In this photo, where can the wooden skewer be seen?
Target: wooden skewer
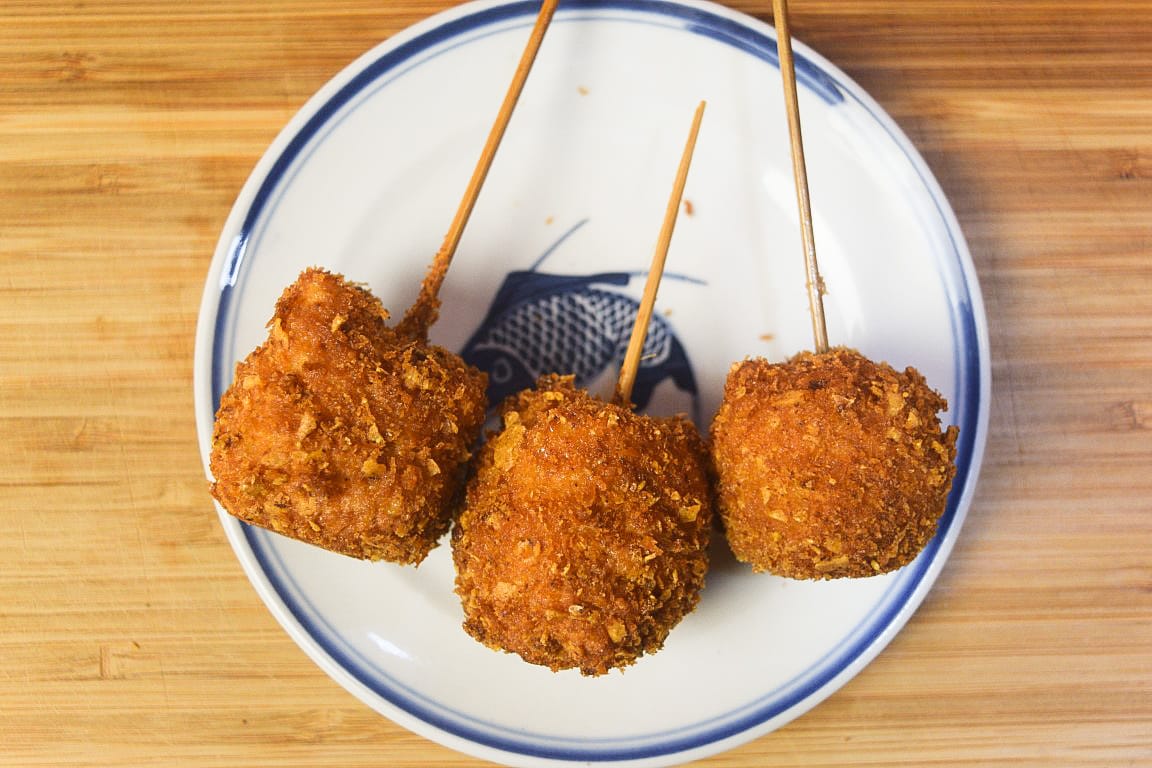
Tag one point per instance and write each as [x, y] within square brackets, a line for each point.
[800, 174]
[631, 362]
[424, 311]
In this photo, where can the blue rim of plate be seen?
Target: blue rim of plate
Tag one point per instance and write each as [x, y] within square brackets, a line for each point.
[970, 406]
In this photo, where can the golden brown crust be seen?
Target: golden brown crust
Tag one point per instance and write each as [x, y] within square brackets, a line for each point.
[830, 465]
[584, 535]
[338, 432]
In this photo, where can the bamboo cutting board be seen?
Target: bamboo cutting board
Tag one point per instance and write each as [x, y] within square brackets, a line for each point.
[129, 635]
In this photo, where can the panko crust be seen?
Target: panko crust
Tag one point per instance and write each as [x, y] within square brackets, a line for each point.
[830, 465]
[584, 537]
[341, 433]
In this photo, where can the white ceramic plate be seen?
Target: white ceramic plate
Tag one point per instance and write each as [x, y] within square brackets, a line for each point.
[365, 180]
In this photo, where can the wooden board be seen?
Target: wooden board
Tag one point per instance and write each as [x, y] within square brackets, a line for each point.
[129, 635]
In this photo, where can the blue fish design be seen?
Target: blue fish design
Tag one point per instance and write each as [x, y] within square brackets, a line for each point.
[571, 324]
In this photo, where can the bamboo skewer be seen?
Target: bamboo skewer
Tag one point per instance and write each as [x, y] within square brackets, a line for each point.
[424, 311]
[631, 362]
[800, 173]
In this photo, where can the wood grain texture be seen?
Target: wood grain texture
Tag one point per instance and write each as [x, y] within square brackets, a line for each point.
[129, 635]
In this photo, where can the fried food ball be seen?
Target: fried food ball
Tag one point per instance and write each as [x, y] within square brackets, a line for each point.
[584, 537]
[342, 433]
[830, 465]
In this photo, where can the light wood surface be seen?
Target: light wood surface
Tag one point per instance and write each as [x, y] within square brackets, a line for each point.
[129, 635]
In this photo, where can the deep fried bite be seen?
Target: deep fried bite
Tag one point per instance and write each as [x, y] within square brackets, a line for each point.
[339, 432]
[830, 465]
[585, 532]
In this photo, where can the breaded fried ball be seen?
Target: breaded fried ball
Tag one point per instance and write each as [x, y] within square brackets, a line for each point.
[830, 465]
[584, 537]
[339, 432]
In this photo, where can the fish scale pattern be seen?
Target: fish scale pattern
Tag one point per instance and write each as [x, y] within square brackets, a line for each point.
[579, 332]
